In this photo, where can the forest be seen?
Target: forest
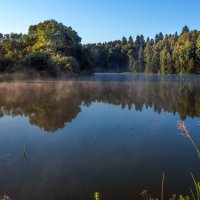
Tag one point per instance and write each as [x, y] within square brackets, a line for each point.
[169, 54]
[49, 48]
[52, 48]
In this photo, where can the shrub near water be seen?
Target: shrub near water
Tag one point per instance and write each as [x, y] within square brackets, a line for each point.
[5, 64]
[65, 63]
[38, 60]
[53, 64]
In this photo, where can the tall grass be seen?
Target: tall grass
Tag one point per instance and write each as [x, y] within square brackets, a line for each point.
[195, 195]
[146, 196]
[185, 132]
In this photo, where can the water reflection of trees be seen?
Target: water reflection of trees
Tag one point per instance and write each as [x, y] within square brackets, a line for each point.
[50, 105]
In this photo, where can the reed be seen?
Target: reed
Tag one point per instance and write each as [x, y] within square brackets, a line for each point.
[185, 132]
[163, 180]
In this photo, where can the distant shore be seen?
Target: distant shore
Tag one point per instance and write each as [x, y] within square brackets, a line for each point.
[104, 76]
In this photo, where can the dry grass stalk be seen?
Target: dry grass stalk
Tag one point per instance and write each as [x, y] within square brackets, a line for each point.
[185, 132]
[163, 180]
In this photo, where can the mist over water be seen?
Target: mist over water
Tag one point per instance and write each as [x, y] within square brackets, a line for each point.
[112, 134]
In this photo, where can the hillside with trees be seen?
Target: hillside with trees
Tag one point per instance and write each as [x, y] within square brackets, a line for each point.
[51, 48]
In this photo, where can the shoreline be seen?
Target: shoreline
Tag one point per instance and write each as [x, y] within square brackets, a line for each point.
[23, 77]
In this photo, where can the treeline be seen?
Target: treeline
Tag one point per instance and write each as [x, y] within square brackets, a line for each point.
[48, 48]
[167, 54]
[52, 48]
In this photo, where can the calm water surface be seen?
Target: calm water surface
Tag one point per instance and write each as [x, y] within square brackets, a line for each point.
[112, 134]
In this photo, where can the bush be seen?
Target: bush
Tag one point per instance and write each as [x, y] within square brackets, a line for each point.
[6, 64]
[66, 63]
[41, 62]
[38, 60]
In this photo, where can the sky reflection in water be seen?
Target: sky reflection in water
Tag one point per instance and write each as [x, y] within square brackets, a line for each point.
[111, 134]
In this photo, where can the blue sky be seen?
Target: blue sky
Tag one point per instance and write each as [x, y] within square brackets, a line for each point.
[102, 20]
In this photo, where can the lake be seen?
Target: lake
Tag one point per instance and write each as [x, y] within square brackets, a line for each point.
[112, 134]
